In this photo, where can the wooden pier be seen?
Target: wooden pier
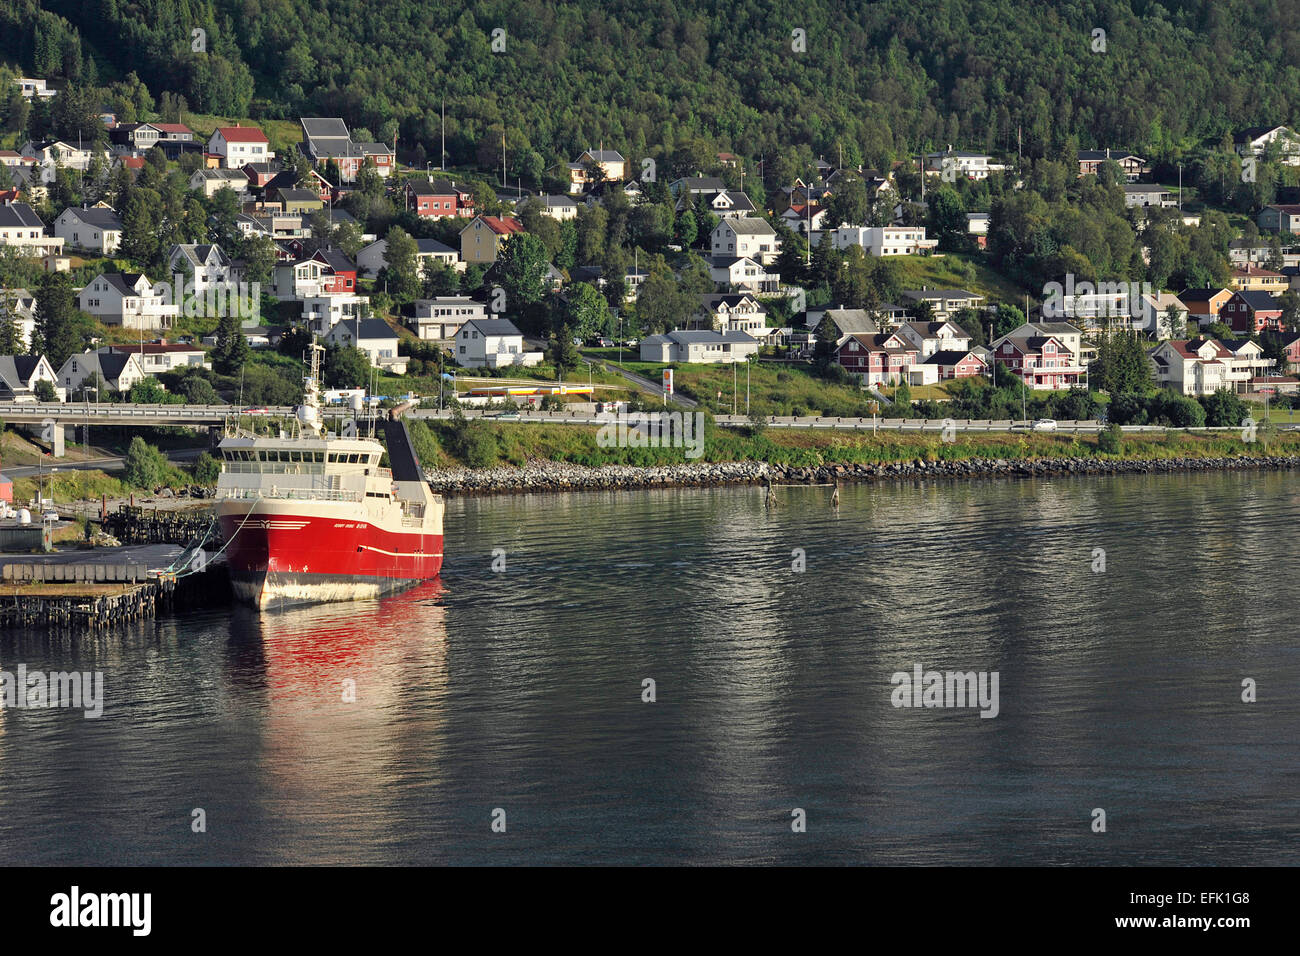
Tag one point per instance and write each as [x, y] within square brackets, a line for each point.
[100, 594]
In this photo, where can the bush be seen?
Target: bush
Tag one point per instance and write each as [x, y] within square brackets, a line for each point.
[45, 391]
[1111, 440]
[146, 467]
[1224, 409]
[206, 469]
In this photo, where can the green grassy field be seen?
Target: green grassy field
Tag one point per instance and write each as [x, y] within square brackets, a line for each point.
[516, 444]
[771, 389]
[953, 270]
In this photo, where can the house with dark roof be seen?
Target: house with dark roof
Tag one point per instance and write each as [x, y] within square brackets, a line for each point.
[117, 371]
[295, 200]
[745, 238]
[1091, 160]
[1204, 305]
[944, 302]
[1280, 218]
[440, 318]
[374, 337]
[699, 346]
[204, 265]
[210, 181]
[130, 300]
[849, 322]
[732, 312]
[372, 258]
[959, 363]
[610, 164]
[327, 140]
[492, 343]
[439, 199]
[19, 375]
[555, 207]
[22, 229]
[931, 337]
[156, 357]
[1041, 359]
[95, 229]
[1251, 312]
[1256, 140]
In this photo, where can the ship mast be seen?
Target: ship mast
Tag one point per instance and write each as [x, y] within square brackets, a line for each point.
[309, 411]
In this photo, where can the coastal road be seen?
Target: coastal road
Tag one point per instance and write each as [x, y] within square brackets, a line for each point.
[643, 383]
[179, 456]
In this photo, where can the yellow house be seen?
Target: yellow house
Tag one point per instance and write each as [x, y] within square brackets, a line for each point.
[480, 241]
[1254, 279]
[611, 164]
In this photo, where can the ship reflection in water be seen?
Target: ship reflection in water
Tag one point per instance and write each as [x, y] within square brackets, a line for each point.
[351, 704]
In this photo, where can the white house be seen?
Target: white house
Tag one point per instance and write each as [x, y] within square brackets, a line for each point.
[117, 370]
[205, 265]
[21, 305]
[211, 181]
[960, 163]
[556, 207]
[371, 258]
[374, 338]
[1254, 140]
[324, 312]
[440, 318]
[95, 229]
[492, 343]
[1203, 366]
[128, 299]
[237, 145]
[23, 230]
[750, 238]
[155, 357]
[733, 313]
[932, 337]
[881, 240]
[699, 346]
[744, 275]
[19, 375]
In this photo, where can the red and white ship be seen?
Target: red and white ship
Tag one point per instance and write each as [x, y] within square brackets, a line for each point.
[312, 516]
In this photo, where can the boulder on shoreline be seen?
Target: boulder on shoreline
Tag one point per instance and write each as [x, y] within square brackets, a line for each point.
[550, 476]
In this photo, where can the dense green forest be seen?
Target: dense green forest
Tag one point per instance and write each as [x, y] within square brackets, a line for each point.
[676, 80]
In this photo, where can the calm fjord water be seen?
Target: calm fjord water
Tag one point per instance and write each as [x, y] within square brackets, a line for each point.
[522, 690]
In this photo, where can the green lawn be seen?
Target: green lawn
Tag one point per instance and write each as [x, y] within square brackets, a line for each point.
[953, 270]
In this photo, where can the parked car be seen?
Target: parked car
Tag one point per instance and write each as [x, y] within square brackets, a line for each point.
[257, 411]
[1044, 425]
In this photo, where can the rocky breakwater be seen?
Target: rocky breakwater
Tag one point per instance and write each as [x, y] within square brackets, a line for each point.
[560, 476]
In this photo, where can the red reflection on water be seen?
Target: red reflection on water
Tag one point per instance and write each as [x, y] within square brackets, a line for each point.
[312, 650]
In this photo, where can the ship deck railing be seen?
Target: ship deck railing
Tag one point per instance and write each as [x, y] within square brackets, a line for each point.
[292, 494]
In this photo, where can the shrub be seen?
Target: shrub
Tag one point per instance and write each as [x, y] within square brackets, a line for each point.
[1111, 440]
[146, 467]
[206, 469]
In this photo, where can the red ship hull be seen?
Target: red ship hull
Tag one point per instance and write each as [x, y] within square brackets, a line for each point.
[279, 556]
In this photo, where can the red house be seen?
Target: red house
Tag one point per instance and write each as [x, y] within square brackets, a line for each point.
[438, 199]
[1248, 312]
[955, 363]
[1042, 361]
[879, 359]
[344, 277]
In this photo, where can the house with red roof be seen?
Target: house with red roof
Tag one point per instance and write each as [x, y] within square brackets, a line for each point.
[1043, 361]
[480, 241]
[236, 146]
[1203, 366]
[879, 359]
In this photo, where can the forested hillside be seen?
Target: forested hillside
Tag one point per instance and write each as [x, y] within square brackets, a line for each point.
[876, 80]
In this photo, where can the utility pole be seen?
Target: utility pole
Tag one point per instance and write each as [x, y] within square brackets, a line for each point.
[442, 155]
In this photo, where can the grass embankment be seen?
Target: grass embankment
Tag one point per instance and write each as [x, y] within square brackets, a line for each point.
[952, 270]
[487, 444]
[773, 388]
